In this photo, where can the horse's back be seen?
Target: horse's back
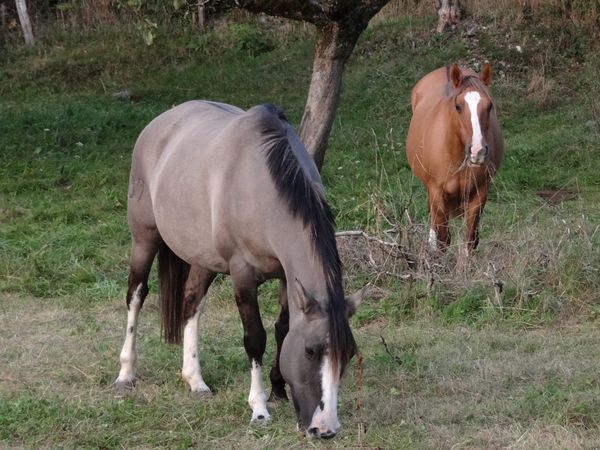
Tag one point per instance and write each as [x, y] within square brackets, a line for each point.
[207, 181]
[205, 117]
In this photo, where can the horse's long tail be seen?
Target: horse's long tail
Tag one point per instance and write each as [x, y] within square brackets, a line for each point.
[172, 273]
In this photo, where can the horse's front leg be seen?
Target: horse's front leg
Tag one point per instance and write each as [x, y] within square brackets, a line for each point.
[196, 285]
[439, 234]
[282, 326]
[473, 213]
[255, 337]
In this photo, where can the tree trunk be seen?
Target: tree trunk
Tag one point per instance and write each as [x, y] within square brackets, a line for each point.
[333, 47]
[201, 15]
[2, 16]
[339, 23]
[448, 13]
[25, 22]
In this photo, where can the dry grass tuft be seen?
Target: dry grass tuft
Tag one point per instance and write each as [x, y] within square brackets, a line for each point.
[541, 88]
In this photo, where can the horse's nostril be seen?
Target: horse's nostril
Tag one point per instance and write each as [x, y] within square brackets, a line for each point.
[313, 431]
[328, 434]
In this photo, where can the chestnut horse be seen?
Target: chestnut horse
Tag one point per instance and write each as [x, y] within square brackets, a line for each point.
[215, 189]
[454, 146]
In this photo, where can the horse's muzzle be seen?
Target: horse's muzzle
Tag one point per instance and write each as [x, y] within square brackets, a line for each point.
[315, 432]
[479, 157]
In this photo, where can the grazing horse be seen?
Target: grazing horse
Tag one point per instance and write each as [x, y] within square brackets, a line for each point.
[215, 189]
[454, 146]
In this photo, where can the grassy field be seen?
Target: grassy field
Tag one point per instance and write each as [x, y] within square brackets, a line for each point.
[450, 361]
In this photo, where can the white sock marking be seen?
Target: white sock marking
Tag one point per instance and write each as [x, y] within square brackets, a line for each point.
[191, 362]
[472, 98]
[128, 353]
[257, 399]
[433, 242]
[326, 419]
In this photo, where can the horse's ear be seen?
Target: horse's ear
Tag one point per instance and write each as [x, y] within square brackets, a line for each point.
[308, 305]
[455, 75]
[354, 300]
[486, 74]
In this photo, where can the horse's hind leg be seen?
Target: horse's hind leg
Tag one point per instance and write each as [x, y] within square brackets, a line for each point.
[255, 337]
[282, 326]
[196, 285]
[142, 255]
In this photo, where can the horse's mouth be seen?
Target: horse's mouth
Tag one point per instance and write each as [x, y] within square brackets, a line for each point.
[475, 163]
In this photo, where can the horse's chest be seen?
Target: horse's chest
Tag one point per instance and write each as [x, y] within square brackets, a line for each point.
[461, 186]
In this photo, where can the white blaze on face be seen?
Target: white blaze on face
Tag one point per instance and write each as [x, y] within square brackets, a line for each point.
[325, 416]
[472, 98]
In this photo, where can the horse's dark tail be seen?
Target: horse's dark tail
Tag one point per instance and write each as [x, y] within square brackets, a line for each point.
[172, 273]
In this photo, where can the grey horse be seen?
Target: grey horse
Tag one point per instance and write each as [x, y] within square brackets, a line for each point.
[215, 189]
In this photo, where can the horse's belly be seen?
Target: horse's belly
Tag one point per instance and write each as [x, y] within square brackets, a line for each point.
[193, 244]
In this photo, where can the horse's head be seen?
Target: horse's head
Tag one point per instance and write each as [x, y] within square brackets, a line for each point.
[314, 354]
[473, 106]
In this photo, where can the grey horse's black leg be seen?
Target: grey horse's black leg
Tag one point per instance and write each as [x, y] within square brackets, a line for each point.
[282, 326]
[255, 337]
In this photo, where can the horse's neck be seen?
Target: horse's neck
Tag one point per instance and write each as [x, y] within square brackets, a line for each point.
[300, 261]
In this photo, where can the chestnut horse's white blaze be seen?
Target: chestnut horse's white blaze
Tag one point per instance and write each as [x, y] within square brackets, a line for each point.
[191, 371]
[472, 98]
[215, 189]
[325, 417]
[128, 354]
[257, 398]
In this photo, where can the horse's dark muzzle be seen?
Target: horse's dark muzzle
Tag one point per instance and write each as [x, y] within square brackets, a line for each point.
[314, 432]
[478, 158]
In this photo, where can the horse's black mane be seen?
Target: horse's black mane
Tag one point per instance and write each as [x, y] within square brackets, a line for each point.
[306, 201]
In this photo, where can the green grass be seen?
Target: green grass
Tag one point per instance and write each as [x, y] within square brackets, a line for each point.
[465, 366]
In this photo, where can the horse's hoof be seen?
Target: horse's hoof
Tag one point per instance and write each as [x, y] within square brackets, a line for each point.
[276, 398]
[203, 396]
[260, 418]
[122, 387]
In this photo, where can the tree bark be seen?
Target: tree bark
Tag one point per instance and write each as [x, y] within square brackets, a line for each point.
[333, 47]
[2, 16]
[448, 13]
[25, 22]
[338, 25]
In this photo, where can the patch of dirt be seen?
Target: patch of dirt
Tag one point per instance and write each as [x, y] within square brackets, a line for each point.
[556, 196]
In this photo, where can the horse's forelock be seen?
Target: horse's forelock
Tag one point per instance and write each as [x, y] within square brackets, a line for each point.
[468, 81]
[342, 345]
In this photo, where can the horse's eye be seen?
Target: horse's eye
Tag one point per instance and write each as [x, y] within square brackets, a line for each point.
[457, 107]
[311, 353]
